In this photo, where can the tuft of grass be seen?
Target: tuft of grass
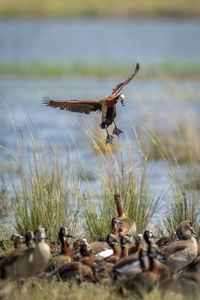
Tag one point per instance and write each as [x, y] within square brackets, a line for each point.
[4, 205]
[117, 174]
[178, 142]
[42, 196]
[183, 206]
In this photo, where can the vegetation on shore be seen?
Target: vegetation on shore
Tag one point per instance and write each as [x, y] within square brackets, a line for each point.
[101, 69]
[38, 288]
[90, 8]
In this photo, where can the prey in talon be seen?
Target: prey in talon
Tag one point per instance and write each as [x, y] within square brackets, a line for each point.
[107, 106]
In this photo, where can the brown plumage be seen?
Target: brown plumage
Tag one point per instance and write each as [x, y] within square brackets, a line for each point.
[111, 240]
[87, 253]
[25, 262]
[138, 245]
[107, 106]
[66, 254]
[76, 269]
[124, 240]
[127, 225]
[181, 253]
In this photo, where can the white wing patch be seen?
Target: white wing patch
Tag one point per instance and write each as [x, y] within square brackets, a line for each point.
[129, 267]
[105, 253]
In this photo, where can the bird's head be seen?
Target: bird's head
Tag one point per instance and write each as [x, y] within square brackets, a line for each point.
[121, 99]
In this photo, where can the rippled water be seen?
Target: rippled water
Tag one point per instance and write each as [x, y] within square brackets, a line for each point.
[67, 40]
[146, 41]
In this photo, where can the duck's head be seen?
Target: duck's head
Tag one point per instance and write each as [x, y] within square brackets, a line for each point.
[125, 239]
[121, 98]
[17, 239]
[63, 233]
[111, 239]
[29, 238]
[139, 238]
[185, 230]
[40, 233]
[115, 223]
[148, 234]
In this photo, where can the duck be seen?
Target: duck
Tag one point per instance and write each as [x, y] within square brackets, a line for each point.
[29, 238]
[113, 243]
[127, 225]
[138, 244]
[146, 280]
[194, 266]
[181, 253]
[88, 257]
[100, 248]
[76, 270]
[17, 239]
[124, 241]
[26, 262]
[66, 254]
[131, 265]
[107, 106]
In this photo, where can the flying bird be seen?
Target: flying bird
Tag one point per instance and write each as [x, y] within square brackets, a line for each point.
[107, 106]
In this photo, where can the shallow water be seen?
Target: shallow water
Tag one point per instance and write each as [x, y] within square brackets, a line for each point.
[92, 40]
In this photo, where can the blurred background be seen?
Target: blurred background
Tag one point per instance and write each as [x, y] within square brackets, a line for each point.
[82, 49]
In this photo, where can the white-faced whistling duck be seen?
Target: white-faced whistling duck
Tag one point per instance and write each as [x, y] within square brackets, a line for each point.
[87, 253]
[146, 280]
[24, 262]
[180, 253]
[131, 265]
[124, 241]
[29, 238]
[113, 243]
[66, 254]
[138, 245]
[17, 239]
[100, 248]
[128, 226]
[107, 106]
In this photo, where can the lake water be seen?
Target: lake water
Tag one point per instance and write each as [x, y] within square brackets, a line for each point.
[68, 40]
[94, 40]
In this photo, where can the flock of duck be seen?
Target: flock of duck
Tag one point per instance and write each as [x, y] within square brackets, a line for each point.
[170, 263]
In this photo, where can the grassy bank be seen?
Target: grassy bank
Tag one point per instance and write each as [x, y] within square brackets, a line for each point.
[36, 288]
[113, 8]
[101, 69]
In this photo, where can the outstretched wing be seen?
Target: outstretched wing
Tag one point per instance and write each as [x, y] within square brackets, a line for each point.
[121, 85]
[81, 106]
